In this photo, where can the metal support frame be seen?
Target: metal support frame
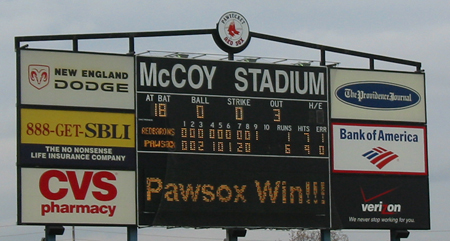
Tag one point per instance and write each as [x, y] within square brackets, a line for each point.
[132, 233]
[396, 235]
[325, 235]
[234, 233]
[132, 35]
[52, 231]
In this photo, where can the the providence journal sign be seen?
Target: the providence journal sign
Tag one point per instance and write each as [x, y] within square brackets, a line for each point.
[378, 95]
[76, 138]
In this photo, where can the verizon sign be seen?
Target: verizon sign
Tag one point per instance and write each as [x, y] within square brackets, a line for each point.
[78, 196]
[380, 202]
[379, 149]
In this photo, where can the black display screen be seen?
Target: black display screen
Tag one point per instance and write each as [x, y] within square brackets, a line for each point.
[221, 139]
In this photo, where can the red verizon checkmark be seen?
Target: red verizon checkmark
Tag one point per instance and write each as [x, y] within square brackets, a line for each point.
[376, 196]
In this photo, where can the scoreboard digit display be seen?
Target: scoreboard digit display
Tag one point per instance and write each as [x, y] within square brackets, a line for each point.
[202, 123]
[231, 125]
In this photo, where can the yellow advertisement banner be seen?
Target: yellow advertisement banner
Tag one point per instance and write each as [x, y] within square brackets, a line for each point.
[58, 127]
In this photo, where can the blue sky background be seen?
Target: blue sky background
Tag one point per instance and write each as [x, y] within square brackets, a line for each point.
[408, 29]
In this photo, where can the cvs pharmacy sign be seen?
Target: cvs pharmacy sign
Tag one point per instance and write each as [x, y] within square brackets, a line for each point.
[78, 196]
[103, 180]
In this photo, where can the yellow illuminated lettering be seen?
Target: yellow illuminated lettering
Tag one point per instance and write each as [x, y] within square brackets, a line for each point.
[220, 146]
[200, 111]
[160, 110]
[228, 196]
[207, 190]
[200, 133]
[283, 191]
[321, 150]
[228, 134]
[172, 193]
[184, 132]
[277, 115]
[200, 145]
[307, 136]
[240, 147]
[219, 134]
[240, 193]
[189, 192]
[298, 190]
[151, 189]
[268, 190]
[307, 149]
[239, 110]
[184, 145]
[192, 145]
[287, 148]
[192, 132]
[239, 134]
[248, 135]
[248, 147]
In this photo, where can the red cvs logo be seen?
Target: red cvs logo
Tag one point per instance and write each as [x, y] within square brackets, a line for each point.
[38, 75]
[79, 189]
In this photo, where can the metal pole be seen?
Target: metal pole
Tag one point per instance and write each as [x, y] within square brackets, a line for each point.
[234, 233]
[230, 56]
[231, 236]
[73, 233]
[396, 234]
[323, 61]
[49, 236]
[325, 235]
[132, 233]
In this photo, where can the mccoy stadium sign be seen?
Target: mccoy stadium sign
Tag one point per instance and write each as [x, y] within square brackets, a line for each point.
[245, 79]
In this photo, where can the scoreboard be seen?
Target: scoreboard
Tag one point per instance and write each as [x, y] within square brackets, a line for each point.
[217, 139]
[230, 125]
[286, 115]
[178, 142]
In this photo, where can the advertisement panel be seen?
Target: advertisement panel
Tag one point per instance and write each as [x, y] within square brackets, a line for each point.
[218, 140]
[76, 79]
[67, 196]
[57, 138]
[381, 149]
[377, 95]
[380, 202]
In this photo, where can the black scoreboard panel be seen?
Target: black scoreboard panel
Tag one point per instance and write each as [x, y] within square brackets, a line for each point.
[231, 125]
[186, 190]
[218, 139]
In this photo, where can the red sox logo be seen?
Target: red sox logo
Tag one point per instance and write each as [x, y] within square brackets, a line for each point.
[38, 75]
[233, 30]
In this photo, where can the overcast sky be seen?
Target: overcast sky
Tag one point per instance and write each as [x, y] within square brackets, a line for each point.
[409, 29]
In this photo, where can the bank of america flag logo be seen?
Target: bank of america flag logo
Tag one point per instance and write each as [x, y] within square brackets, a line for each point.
[380, 157]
